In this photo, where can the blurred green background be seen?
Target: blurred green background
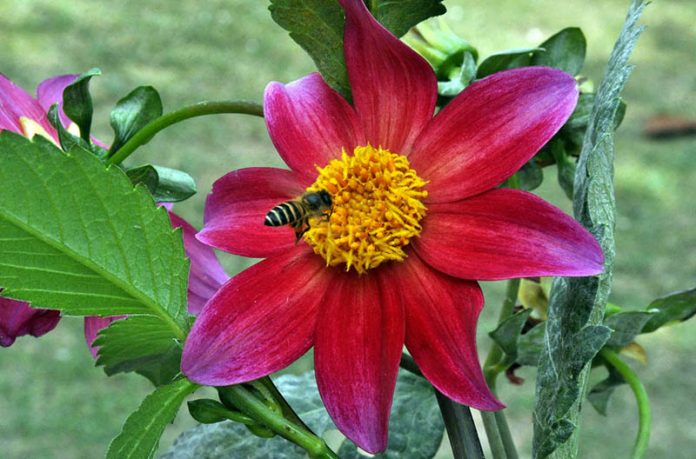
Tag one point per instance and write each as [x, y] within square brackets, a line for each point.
[55, 404]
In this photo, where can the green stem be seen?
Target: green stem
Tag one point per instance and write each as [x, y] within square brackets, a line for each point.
[495, 441]
[191, 111]
[644, 415]
[459, 423]
[257, 410]
[493, 364]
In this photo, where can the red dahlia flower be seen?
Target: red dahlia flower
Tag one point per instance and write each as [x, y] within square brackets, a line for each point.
[416, 220]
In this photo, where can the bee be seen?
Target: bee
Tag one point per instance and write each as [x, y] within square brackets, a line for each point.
[297, 212]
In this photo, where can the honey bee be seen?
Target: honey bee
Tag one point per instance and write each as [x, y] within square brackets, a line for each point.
[297, 212]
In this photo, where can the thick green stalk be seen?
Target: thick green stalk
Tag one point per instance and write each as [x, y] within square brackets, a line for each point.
[644, 414]
[191, 111]
[257, 410]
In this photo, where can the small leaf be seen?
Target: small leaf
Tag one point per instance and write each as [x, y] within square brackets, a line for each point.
[599, 394]
[165, 184]
[132, 113]
[141, 433]
[530, 176]
[68, 140]
[505, 60]
[317, 26]
[677, 306]
[144, 344]
[565, 50]
[565, 166]
[530, 345]
[207, 411]
[508, 333]
[77, 102]
[399, 17]
[456, 85]
[626, 326]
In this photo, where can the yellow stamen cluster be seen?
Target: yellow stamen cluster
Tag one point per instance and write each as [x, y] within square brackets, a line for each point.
[377, 209]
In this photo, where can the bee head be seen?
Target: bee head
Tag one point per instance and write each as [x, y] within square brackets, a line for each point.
[318, 200]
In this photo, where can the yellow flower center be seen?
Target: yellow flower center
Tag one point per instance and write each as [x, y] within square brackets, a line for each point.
[377, 209]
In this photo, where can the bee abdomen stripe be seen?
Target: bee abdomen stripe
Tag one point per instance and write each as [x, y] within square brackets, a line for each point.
[283, 214]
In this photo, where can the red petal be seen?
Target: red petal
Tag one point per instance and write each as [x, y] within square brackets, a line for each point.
[394, 89]
[309, 123]
[441, 316]
[237, 206]
[357, 348]
[206, 275]
[15, 102]
[491, 129]
[259, 322]
[504, 234]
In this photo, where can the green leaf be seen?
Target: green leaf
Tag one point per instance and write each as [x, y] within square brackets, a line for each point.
[505, 60]
[140, 436]
[577, 304]
[165, 184]
[565, 50]
[600, 393]
[79, 238]
[508, 332]
[208, 411]
[68, 140]
[466, 75]
[530, 176]
[415, 428]
[565, 167]
[677, 306]
[317, 26]
[144, 344]
[77, 102]
[626, 326]
[399, 17]
[530, 345]
[133, 112]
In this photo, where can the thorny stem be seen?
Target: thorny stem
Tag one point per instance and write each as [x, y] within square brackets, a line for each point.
[461, 429]
[191, 111]
[259, 411]
[644, 414]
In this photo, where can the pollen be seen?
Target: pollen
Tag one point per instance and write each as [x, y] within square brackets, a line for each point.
[377, 209]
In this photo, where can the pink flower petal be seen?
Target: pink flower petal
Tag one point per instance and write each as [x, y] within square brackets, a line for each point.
[394, 89]
[93, 325]
[17, 318]
[441, 316]
[309, 123]
[261, 320]
[50, 92]
[360, 334]
[206, 275]
[505, 234]
[491, 129]
[236, 208]
[15, 102]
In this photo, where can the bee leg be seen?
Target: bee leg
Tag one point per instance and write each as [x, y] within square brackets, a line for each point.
[300, 228]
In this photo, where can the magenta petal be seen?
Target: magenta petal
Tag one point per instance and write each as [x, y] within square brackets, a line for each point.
[505, 234]
[491, 129]
[17, 318]
[394, 89]
[15, 102]
[360, 334]
[309, 123]
[206, 275]
[259, 322]
[50, 92]
[441, 316]
[236, 208]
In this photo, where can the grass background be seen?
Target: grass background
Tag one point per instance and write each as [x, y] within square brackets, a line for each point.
[55, 404]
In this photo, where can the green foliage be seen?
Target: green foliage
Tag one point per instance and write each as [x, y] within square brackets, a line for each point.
[508, 333]
[530, 176]
[165, 184]
[565, 167]
[144, 344]
[208, 411]
[577, 304]
[400, 16]
[565, 50]
[505, 60]
[626, 326]
[79, 238]
[68, 140]
[317, 26]
[599, 395]
[466, 75]
[77, 102]
[677, 306]
[131, 113]
[415, 427]
[142, 431]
